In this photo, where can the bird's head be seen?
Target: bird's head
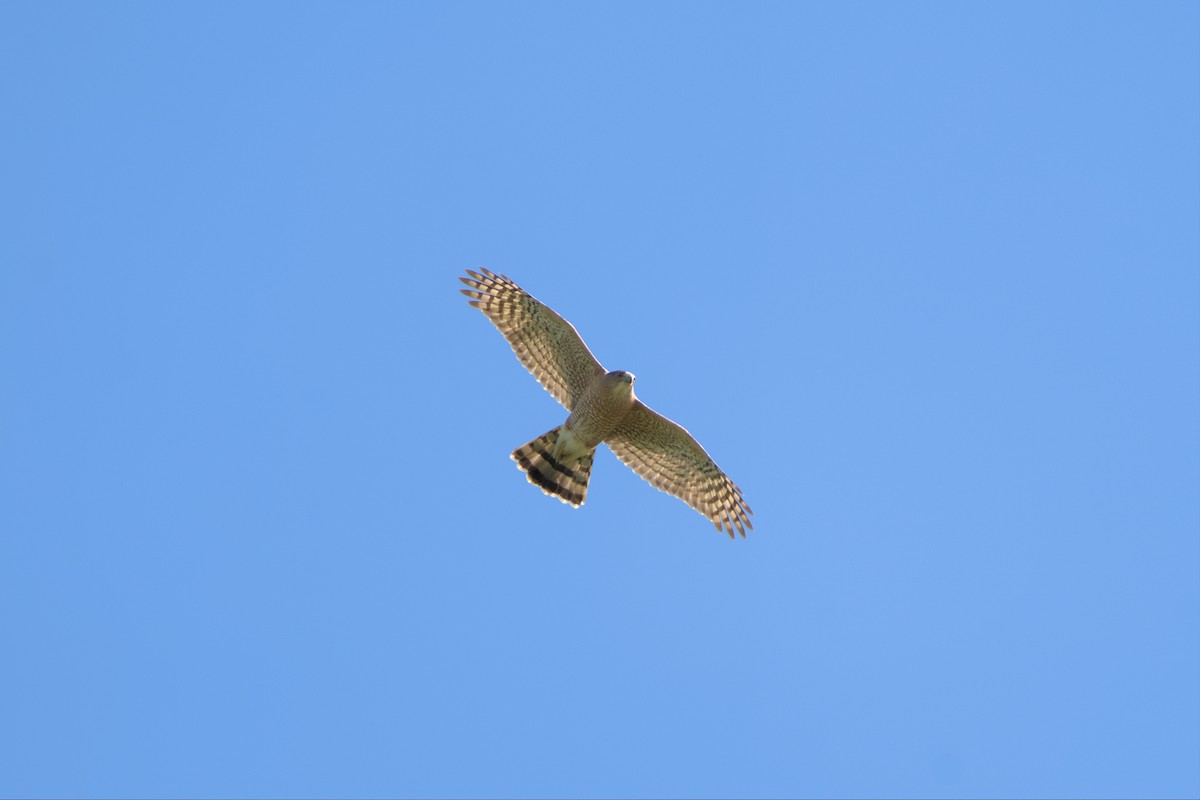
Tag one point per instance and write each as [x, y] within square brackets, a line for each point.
[621, 381]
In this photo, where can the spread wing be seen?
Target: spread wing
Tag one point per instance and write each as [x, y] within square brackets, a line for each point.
[548, 345]
[669, 458]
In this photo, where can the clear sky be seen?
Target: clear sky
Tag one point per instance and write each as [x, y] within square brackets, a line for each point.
[924, 279]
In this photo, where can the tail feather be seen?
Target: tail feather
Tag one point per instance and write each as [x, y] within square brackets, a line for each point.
[566, 481]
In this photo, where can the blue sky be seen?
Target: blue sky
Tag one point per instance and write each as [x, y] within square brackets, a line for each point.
[923, 278]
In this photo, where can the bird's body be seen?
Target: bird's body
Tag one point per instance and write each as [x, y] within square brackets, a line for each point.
[603, 409]
[560, 461]
[603, 405]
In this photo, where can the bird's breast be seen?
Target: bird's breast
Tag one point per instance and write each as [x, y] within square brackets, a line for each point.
[598, 412]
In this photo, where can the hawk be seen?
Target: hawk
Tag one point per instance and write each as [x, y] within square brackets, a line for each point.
[602, 408]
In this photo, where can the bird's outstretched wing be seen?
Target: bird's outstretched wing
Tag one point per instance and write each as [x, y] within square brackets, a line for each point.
[549, 346]
[669, 458]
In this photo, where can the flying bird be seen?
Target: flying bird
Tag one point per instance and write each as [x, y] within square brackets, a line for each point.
[602, 408]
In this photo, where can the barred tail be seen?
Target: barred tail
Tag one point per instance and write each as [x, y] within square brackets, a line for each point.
[566, 481]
